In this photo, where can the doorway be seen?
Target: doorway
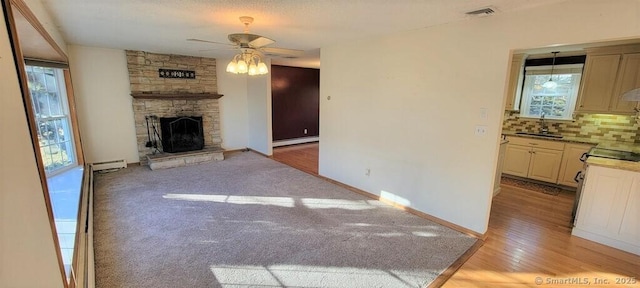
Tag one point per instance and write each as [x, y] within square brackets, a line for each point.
[295, 105]
[301, 156]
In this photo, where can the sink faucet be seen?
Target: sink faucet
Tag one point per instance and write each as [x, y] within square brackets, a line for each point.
[544, 129]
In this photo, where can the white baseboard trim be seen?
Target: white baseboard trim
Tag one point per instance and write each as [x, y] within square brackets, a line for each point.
[295, 141]
[615, 243]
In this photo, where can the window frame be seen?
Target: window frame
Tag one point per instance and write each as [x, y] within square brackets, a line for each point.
[65, 117]
[526, 95]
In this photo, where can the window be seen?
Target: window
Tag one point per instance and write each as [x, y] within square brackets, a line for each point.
[554, 103]
[49, 98]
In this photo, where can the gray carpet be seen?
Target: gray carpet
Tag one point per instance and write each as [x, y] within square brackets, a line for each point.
[249, 221]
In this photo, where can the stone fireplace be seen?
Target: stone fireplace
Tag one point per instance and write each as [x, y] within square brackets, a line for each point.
[186, 101]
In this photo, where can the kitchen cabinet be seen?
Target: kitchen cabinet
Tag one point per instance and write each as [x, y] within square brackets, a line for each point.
[608, 73]
[533, 158]
[571, 163]
[628, 79]
[545, 164]
[514, 82]
[598, 83]
[516, 160]
[609, 208]
[496, 183]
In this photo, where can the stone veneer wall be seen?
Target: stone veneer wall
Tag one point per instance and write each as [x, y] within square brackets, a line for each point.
[594, 126]
[143, 76]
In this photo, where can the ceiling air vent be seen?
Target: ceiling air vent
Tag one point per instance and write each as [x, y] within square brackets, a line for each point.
[482, 12]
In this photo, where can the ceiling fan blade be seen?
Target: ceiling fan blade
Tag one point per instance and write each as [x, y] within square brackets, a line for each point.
[274, 51]
[220, 49]
[260, 42]
[250, 40]
[212, 42]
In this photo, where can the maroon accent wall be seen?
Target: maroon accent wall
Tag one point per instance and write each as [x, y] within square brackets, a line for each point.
[295, 102]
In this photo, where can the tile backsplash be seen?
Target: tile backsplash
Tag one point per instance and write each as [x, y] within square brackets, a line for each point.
[599, 127]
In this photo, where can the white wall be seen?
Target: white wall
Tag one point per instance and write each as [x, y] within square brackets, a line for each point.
[259, 109]
[406, 106]
[103, 98]
[234, 116]
[28, 254]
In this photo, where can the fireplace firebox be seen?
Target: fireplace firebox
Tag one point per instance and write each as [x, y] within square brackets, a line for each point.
[180, 134]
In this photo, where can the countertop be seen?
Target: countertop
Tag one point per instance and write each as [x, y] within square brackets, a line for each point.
[613, 163]
[613, 145]
[567, 139]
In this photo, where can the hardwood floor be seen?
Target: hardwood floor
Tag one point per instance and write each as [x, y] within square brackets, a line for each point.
[529, 236]
[301, 156]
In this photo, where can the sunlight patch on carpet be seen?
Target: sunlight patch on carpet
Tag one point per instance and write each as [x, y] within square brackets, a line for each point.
[310, 276]
[255, 200]
[317, 203]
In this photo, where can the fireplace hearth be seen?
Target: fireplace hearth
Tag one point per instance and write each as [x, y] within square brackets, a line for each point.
[181, 134]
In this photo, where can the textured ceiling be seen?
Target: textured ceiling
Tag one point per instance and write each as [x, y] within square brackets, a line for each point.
[164, 25]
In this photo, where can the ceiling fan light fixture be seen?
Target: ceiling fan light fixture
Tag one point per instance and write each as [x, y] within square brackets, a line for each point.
[242, 67]
[232, 67]
[262, 68]
[247, 62]
[253, 69]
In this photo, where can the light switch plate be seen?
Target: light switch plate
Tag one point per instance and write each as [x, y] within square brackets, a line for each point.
[484, 114]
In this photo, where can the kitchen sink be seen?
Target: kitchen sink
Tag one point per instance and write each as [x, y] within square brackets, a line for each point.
[548, 135]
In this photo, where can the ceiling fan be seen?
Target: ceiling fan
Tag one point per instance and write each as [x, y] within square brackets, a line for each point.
[252, 47]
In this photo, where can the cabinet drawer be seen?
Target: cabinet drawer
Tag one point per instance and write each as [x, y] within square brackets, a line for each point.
[554, 145]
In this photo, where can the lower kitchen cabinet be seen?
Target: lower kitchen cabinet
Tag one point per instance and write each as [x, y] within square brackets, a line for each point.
[609, 208]
[533, 158]
[516, 160]
[571, 163]
[503, 151]
[545, 164]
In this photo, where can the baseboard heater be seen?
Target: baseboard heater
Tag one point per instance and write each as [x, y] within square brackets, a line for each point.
[83, 267]
[107, 165]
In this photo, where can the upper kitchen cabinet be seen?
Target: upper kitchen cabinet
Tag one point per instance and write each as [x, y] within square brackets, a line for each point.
[629, 79]
[608, 73]
[514, 82]
[598, 84]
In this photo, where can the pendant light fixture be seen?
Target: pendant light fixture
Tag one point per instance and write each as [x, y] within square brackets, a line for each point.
[551, 84]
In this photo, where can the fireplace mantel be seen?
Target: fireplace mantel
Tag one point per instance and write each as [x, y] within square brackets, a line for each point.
[175, 95]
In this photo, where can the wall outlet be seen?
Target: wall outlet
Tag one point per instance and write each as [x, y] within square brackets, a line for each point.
[481, 130]
[367, 172]
[305, 131]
